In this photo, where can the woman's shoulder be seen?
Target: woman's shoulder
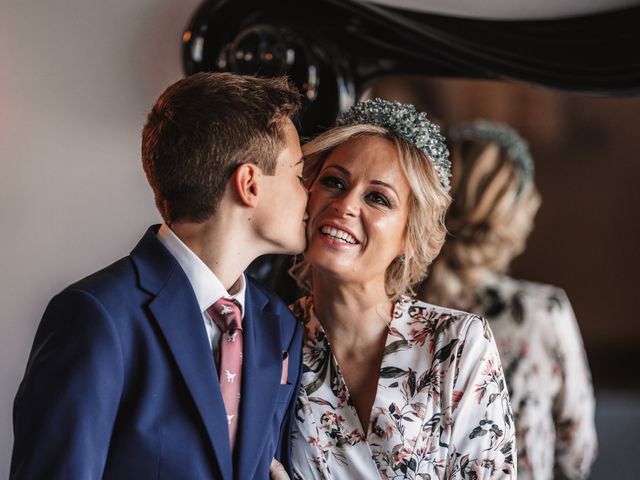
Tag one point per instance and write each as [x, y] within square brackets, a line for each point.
[445, 321]
[411, 304]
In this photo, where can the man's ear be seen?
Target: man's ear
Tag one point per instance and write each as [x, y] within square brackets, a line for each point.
[246, 182]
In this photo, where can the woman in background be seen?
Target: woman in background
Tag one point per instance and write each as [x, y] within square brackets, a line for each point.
[495, 201]
[392, 387]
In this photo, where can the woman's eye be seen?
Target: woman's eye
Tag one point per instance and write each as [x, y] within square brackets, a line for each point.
[380, 199]
[332, 182]
[301, 178]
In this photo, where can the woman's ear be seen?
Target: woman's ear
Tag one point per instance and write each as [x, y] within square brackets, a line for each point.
[246, 182]
[405, 243]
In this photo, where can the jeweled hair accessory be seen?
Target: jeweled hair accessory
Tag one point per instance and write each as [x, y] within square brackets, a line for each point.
[404, 120]
[515, 147]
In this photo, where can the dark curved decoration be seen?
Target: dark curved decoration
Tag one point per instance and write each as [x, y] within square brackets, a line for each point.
[589, 54]
[333, 49]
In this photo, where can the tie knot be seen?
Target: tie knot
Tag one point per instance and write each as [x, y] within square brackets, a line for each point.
[226, 313]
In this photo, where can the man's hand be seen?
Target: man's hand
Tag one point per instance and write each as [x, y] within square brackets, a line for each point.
[277, 471]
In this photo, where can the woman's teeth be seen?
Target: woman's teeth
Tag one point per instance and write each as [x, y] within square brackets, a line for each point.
[338, 234]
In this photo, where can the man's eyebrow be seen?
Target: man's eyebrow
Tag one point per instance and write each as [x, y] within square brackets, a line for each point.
[299, 161]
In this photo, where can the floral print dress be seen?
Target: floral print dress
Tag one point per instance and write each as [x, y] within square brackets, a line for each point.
[441, 409]
[547, 376]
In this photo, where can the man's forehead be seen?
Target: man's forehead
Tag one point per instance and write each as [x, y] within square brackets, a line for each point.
[292, 162]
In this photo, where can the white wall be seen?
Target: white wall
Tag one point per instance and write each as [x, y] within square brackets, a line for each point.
[77, 78]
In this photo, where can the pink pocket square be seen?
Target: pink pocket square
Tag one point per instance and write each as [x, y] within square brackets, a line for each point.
[285, 368]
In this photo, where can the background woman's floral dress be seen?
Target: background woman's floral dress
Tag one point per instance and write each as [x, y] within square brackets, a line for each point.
[441, 409]
[547, 375]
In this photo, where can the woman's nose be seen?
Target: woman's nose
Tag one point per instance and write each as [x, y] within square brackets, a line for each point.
[347, 205]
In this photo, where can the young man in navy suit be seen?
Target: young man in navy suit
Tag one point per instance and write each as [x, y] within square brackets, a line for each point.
[124, 377]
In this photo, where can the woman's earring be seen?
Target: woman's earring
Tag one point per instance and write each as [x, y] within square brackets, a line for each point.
[401, 259]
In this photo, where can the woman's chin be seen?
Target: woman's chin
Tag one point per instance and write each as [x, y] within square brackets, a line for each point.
[327, 264]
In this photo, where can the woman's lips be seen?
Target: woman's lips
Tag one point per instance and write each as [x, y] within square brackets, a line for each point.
[337, 236]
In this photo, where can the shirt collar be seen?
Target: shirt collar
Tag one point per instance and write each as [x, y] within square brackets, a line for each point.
[206, 285]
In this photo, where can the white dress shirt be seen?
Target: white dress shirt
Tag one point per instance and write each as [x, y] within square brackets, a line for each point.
[207, 287]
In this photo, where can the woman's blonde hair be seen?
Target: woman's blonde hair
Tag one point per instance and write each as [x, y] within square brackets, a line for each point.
[489, 221]
[425, 231]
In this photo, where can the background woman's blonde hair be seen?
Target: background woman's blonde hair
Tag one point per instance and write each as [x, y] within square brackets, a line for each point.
[425, 231]
[489, 222]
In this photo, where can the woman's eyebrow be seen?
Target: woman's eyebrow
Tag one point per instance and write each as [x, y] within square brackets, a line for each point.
[339, 167]
[373, 182]
[385, 184]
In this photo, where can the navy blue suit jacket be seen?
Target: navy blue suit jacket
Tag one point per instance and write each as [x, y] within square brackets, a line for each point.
[121, 382]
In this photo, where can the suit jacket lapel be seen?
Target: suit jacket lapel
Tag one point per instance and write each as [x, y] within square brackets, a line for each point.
[262, 368]
[176, 311]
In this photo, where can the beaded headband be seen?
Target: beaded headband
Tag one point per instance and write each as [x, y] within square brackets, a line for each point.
[513, 145]
[413, 126]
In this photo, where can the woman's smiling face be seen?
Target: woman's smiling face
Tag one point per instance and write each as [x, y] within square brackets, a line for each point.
[358, 210]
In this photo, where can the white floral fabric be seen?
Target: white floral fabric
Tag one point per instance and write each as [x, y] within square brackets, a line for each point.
[441, 409]
[547, 376]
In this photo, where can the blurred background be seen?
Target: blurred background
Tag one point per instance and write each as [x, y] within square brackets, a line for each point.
[78, 78]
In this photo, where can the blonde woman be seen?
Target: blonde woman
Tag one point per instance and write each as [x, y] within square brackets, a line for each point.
[534, 325]
[392, 387]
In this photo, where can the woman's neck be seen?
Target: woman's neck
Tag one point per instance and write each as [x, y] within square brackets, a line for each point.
[351, 313]
[356, 319]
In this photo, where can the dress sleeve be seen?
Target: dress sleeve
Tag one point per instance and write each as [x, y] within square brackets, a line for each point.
[482, 434]
[65, 409]
[574, 405]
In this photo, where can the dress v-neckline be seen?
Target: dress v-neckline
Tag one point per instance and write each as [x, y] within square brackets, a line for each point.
[395, 313]
[420, 390]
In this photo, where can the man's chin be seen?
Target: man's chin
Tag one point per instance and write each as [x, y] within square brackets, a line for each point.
[296, 249]
[288, 245]
[299, 249]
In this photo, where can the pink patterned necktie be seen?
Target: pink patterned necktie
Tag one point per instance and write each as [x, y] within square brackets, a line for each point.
[226, 313]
